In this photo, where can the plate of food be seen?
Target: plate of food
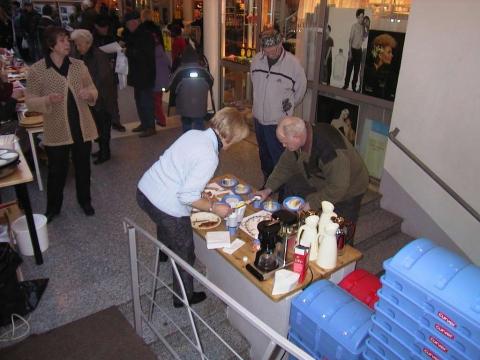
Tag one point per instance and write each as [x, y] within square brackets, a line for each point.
[231, 199]
[293, 203]
[32, 113]
[271, 205]
[203, 220]
[228, 181]
[242, 189]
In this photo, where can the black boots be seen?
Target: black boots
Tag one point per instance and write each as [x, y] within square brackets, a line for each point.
[102, 155]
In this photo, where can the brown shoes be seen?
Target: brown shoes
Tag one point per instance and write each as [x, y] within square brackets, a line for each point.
[148, 132]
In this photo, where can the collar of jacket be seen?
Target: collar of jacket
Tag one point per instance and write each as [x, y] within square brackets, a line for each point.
[49, 63]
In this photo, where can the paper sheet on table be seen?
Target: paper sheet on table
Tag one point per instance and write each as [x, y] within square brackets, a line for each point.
[217, 239]
[285, 281]
[234, 246]
[111, 48]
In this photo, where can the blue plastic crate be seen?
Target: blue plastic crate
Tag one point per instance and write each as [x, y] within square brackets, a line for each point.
[370, 354]
[389, 340]
[385, 351]
[436, 326]
[301, 345]
[440, 282]
[329, 321]
[433, 350]
[396, 314]
[448, 348]
[451, 336]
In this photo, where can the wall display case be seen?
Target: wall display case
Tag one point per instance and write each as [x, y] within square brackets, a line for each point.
[240, 31]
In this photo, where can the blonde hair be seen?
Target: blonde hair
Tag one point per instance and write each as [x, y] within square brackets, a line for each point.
[230, 124]
[82, 34]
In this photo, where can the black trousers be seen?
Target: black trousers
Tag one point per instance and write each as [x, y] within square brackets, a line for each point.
[354, 63]
[177, 234]
[58, 161]
[103, 120]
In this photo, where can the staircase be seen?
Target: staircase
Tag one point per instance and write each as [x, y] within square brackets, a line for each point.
[378, 236]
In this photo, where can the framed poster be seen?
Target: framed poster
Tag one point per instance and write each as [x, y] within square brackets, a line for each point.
[340, 114]
[373, 145]
[65, 11]
[340, 71]
[382, 66]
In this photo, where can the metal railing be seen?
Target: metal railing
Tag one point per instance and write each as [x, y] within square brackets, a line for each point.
[276, 339]
[393, 137]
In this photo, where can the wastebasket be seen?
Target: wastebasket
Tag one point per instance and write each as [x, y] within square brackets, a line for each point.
[22, 236]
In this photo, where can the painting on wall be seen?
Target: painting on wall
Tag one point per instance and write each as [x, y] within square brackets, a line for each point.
[340, 114]
[373, 145]
[343, 59]
[382, 66]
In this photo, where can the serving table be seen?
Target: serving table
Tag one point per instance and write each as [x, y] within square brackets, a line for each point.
[230, 274]
[19, 179]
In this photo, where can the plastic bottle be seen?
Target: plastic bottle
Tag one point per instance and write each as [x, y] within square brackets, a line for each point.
[327, 253]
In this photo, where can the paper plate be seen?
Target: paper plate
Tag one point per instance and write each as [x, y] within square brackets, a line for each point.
[228, 182]
[205, 220]
[271, 205]
[231, 199]
[242, 189]
[293, 203]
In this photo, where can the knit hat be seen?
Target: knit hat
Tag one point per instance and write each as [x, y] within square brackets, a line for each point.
[270, 37]
[134, 15]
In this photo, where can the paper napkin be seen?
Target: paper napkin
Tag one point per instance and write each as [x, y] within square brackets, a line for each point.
[234, 246]
[218, 239]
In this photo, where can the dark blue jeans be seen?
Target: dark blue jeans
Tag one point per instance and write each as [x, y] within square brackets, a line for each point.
[269, 148]
[145, 107]
[189, 123]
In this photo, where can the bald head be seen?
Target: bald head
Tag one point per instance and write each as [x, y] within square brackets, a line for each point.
[292, 132]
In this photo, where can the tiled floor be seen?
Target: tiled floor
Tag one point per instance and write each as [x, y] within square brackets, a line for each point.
[87, 261]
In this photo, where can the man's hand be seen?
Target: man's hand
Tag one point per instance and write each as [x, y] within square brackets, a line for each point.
[265, 193]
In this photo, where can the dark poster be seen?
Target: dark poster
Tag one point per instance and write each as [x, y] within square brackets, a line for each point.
[384, 56]
[339, 114]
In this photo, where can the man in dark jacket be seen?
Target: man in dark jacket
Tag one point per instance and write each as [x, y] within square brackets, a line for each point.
[28, 23]
[45, 21]
[141, 71]
[319, 163]
[103, 35]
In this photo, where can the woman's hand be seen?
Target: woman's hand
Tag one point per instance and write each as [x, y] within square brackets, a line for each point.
[55, 98]
[263, 193]
[85, 94]
[222, 210]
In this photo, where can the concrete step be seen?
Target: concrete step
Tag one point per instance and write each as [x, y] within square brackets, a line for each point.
[374, 257]
[212, 346]
[375, 227]
[370, 202]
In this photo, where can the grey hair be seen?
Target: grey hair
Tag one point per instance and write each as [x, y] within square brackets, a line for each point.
[83, 35]
[292, 125]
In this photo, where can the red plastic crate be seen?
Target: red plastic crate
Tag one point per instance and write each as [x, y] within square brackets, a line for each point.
[362, 285]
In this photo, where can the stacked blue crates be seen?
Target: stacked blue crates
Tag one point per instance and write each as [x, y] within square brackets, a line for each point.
[329, 323]
[428, 308]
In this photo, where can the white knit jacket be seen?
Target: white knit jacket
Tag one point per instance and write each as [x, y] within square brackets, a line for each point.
[43, 81]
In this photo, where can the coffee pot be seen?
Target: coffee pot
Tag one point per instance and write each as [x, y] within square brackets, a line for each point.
[268, 234]
[288, 227]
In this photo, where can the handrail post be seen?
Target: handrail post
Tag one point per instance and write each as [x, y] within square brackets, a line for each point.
[132, 242]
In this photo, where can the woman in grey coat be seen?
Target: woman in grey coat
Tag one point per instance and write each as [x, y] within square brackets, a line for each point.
[99, 66]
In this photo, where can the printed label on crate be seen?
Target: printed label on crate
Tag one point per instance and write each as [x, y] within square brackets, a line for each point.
[430, 354]
[445, 318]
[444, 331]
[437, 343]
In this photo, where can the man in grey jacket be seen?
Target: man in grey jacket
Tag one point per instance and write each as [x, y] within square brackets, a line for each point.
[279, 84]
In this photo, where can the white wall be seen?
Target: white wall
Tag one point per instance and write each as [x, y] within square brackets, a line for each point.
[437, 110]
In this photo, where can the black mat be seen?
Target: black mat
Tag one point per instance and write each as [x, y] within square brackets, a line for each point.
[103, 335]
